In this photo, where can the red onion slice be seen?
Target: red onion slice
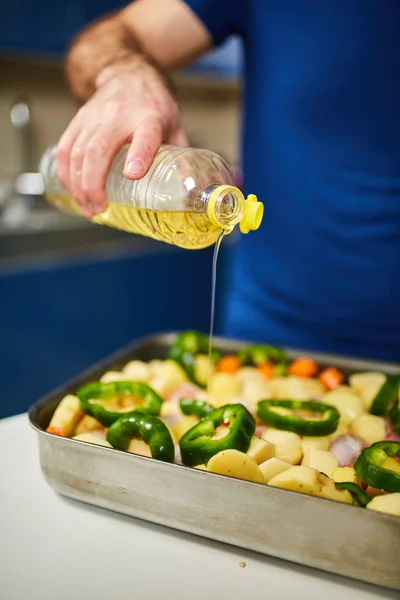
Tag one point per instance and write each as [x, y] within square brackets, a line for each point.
[391, 434]
[347, 448]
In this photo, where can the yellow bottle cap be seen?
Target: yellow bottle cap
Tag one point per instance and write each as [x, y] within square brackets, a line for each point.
[253, 214]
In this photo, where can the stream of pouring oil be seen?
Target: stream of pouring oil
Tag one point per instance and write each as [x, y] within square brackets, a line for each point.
[213, 289]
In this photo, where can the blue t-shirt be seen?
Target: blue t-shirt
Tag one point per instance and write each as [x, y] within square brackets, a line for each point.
[321, 149]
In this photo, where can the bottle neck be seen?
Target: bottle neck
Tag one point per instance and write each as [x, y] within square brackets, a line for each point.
[223, 204]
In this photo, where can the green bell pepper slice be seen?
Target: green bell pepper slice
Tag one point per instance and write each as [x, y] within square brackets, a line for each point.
[368, 466]
[394, 416]
[198, 446]
[151, 430]
[360, 497]
[324, 426]
[387, 394]
[93, 398]
[184, 350]
[259, 354]
[198, 408]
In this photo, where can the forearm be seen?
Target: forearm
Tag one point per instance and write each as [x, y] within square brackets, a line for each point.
[100, 51]
[164, 34]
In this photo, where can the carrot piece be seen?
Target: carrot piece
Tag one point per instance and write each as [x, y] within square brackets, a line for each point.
[229, 364]
[56, 431]
[267, 369]
[303, 367]
[331, 378]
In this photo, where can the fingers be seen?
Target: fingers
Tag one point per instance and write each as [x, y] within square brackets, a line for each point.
[63, 151]
[77, 156]
[100, 151]
[147, 139]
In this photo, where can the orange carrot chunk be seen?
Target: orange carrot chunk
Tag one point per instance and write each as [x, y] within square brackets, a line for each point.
[56, 431]
[303, 367]
[229, 364]
[331, 378]
[267, 369]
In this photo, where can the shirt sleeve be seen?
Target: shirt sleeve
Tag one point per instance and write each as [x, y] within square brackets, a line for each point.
[222, 18]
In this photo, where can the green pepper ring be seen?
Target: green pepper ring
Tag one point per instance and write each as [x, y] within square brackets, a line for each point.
[197, 445]
[102, 391]
[184, 350]
[326, 425]
[386, 395]
[394, 416]
[199, 408]
[369, 470]
[259, 354]
[360, 497]
[146, 427]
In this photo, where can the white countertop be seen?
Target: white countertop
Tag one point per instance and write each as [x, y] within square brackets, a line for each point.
[55, 548]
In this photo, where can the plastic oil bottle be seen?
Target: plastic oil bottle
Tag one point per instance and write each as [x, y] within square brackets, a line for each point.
[188, 198]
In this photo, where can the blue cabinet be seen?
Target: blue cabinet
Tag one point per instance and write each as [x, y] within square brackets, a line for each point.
[29, 27]
[59, 317]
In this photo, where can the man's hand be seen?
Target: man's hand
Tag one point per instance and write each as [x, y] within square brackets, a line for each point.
[116, 65]
[133, 105]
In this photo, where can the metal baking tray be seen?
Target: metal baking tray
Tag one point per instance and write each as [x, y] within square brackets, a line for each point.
[324, 534]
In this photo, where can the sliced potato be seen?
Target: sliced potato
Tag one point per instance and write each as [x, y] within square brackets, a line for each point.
[392, 464]
[390, 503]
[235, 464]
[298, 479]
[155, 367]
[92, 439]
[367, 385]
[169, 377]
[203, 368]
[170, 409]
[348, 403]
[112, 376]
[137, 370]
[369, 428]
[67, 415]
[321, 460]
[287, 445]
[307, 480]
[223, 387]
[296, 388]
[372, 492]
[183, 425]
[344, 475]
[320, 442]
[87, 423]
[201, 467]
[272, 467]
[260, 450]
[139, 447]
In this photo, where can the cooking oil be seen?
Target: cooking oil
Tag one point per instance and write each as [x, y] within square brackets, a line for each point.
[187, 198]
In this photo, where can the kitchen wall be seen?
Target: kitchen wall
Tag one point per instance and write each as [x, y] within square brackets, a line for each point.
[210, 109]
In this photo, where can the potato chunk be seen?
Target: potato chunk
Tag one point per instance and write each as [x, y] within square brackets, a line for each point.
[345, 474]
[67, 415]
[321, 460]
[137, 370]
[348, 403]
[272, 467]
[320, 442]
[369, 428]
[235, 464]
[169, 377]
[287, 445]
[390, 503]
[92, 439]
[223, 387]
[367, 385]
[260, 450]
[307, 480]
